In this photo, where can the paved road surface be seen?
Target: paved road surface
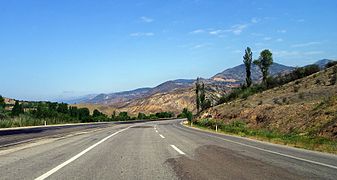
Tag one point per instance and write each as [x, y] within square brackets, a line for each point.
[159, 150]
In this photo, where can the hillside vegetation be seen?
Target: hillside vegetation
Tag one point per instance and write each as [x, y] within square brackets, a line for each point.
[305, 108]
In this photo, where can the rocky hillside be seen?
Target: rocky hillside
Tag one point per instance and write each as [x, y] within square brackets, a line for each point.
[304, 106]
[173, 101]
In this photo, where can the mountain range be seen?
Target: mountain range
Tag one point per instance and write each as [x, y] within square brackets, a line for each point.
[174, 95]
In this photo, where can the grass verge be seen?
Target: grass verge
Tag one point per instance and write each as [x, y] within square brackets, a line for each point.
[295, 140]
[25, 120]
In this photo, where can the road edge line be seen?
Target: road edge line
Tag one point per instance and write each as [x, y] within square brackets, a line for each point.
[266, 150]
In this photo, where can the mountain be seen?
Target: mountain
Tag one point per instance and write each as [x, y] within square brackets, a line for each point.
[119, 96]
[238, 73]
[125, 96]
[79, 99]
[323, 62]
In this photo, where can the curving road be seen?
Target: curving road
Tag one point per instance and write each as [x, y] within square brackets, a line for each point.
[158, 150]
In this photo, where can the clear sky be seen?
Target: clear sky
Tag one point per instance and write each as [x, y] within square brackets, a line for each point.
[62, 48]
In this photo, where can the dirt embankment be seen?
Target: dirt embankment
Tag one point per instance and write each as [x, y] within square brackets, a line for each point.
[305, 106]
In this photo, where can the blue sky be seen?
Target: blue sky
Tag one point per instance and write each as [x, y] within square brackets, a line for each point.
[52, 49]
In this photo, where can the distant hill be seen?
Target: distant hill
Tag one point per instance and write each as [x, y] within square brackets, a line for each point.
[79, 99]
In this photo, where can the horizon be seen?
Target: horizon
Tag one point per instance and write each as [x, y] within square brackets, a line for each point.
[60, 50]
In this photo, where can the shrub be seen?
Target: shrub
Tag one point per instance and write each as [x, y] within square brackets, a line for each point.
[186, 114]
[284, 99]
[333, 76]
[296, 88]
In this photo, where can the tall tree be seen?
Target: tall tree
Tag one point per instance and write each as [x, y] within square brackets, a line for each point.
[113, 116]
[2, 102]
[202, 96]
[197, 98]
[17, 109]
[247, 60]
[264, 62]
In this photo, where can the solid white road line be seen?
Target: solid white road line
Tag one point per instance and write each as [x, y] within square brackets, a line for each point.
[52, 171]
[177, 149]
[269, 151]
[161, 136]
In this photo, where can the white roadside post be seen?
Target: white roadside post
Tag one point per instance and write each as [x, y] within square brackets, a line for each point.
[45, 123]
[216, 120]
[216, 125]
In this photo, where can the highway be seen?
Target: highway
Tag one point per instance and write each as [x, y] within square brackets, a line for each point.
[156, 150]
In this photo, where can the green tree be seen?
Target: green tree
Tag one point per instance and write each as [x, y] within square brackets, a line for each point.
[17, 109]
[197, 98]
[247, 60]
[113, 116]
[84, 114]
[52, 106]
[186, 114]
[141, 116]
[96, 113]
[202, 96]
[264, 62]
[73, 112]
[62, 108]
[2, 103]
[123, 116]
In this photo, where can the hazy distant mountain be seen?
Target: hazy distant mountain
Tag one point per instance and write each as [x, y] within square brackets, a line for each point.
[119, 96]
[79, 99]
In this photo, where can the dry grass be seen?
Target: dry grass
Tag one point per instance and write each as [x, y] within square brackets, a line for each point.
[305, 106]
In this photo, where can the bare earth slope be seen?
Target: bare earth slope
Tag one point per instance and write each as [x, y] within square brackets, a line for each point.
[173, 101]
[307, 106]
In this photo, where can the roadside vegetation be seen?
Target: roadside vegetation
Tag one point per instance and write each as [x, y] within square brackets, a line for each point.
[268, 82]
[240, 128]
[26, 113]
[297, 108]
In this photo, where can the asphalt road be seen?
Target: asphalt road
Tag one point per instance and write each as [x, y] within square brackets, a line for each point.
[159, 150]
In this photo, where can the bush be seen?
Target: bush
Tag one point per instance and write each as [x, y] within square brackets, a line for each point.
[186, 114]
[333, 76]
[296, 88]
[242, 92]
